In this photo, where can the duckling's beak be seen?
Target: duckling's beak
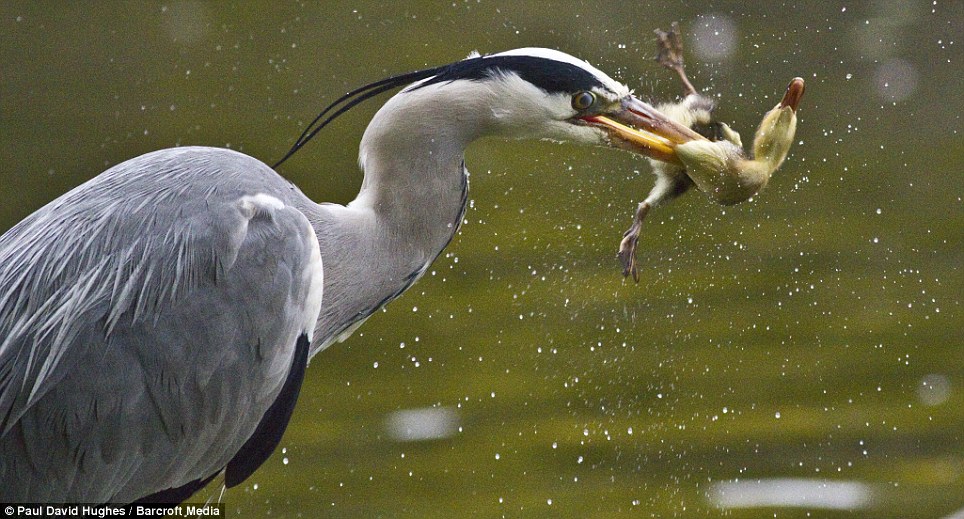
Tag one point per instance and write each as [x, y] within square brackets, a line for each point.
[794, 94]
[638, 127]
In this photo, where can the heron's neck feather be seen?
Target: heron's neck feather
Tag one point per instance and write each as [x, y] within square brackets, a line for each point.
[409, 207]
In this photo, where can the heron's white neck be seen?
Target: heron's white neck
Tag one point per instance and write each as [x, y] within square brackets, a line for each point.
[408, 209]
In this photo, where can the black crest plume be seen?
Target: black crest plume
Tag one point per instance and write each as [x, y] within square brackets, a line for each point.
[351, 99]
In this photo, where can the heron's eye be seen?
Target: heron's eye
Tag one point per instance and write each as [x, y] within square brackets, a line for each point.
[583, 100]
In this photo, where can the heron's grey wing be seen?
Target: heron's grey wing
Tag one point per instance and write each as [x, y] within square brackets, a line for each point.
[148, 320]
[260, 444]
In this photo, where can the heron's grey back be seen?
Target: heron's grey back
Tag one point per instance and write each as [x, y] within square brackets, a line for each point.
[147, 320]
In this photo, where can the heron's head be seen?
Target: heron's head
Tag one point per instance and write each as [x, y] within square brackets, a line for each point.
[543, 94]
[522, 93]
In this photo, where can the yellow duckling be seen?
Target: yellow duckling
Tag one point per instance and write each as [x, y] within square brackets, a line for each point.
[717, 165]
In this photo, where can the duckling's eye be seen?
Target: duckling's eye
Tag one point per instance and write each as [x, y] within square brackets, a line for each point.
[583, 100]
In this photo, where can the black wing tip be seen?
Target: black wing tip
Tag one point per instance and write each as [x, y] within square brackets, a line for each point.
[267, 435]
[173, 496]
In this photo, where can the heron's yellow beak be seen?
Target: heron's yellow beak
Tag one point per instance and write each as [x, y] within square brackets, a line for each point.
[640, 128]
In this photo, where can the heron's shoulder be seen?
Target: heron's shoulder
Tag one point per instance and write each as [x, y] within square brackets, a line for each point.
[195, 166]
[159, 224]
[202, 156]
[168, 187]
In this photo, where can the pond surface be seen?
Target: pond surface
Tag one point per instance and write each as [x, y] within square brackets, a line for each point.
[799, 355]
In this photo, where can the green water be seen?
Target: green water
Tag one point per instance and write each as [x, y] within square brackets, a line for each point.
[815, 332]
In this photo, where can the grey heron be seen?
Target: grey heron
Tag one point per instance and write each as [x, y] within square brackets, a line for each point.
[157, 320]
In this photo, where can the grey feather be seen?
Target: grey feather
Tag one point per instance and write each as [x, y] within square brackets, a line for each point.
[156, 310]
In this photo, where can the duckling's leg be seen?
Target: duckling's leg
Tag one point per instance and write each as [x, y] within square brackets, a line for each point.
[671, 56]
[671, 181]
[667, 187]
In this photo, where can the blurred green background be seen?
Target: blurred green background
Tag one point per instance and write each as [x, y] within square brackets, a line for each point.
[813, 333]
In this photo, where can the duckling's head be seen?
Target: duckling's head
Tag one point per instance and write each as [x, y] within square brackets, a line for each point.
[721, 169]
[773, 138]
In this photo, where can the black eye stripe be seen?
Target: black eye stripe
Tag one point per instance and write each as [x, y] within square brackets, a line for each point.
[548, 74]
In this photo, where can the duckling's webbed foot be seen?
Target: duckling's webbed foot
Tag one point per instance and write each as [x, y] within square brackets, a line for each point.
[627, 248]
[668, 186]
[671, 55]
